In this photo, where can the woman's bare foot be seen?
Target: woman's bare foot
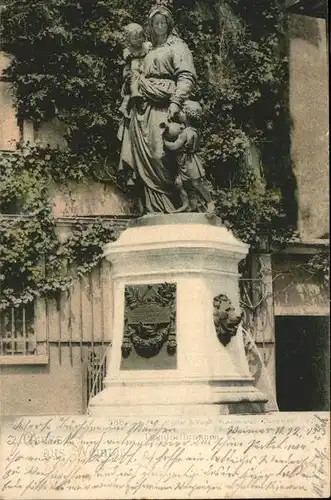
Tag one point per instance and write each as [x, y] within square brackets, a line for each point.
[184, 208]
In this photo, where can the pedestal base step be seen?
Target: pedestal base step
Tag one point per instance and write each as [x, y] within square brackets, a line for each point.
[187, 410]
[182, 398]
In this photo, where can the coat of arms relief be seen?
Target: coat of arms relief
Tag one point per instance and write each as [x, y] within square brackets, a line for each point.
[150, 319]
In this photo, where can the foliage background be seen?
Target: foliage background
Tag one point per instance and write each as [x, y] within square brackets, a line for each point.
[67, 63]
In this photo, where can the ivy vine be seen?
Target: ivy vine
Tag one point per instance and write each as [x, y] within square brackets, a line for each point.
[67, 63]
[319, 265]
[33, 261]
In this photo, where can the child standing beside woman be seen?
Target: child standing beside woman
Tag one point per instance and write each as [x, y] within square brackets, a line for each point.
[181, 137]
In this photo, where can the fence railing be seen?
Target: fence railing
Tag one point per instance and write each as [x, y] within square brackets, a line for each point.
[80, 316]
[96, 370]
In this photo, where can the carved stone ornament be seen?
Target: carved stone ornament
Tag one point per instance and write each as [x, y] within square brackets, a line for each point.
[150, 319]
[226, 318]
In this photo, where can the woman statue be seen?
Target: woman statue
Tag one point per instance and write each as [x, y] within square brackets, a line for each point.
[166, 81]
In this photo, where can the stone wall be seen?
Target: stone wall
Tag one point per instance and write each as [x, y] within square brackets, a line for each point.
[57, 387]
[74, 325]
[89, 198]
[310, 122]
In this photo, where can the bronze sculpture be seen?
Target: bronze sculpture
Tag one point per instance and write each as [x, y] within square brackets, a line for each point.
[160, 94]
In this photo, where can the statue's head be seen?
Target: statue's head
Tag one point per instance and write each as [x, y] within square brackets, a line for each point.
[172, 130]
[192, 112]
[160, 21]
[134, 34]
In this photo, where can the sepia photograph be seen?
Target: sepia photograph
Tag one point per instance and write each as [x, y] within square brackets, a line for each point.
[164, 249]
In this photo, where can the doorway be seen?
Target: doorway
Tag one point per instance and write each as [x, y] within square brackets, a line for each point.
[302, 363]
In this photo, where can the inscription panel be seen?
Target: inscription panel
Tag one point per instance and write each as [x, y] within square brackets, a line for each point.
[151, 314]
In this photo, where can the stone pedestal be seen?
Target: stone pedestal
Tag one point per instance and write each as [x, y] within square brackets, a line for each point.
[200, 257]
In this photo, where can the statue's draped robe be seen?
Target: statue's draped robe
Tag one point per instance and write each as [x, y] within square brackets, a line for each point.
[168, 76]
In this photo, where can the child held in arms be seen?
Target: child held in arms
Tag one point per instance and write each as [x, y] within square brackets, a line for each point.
[133, 56]
[182, 138]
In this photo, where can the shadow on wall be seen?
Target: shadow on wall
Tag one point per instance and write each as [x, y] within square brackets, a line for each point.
[283, 172]
[304, 27]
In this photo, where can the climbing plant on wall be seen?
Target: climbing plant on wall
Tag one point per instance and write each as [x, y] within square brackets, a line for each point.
[67, 63]
[32, 259]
